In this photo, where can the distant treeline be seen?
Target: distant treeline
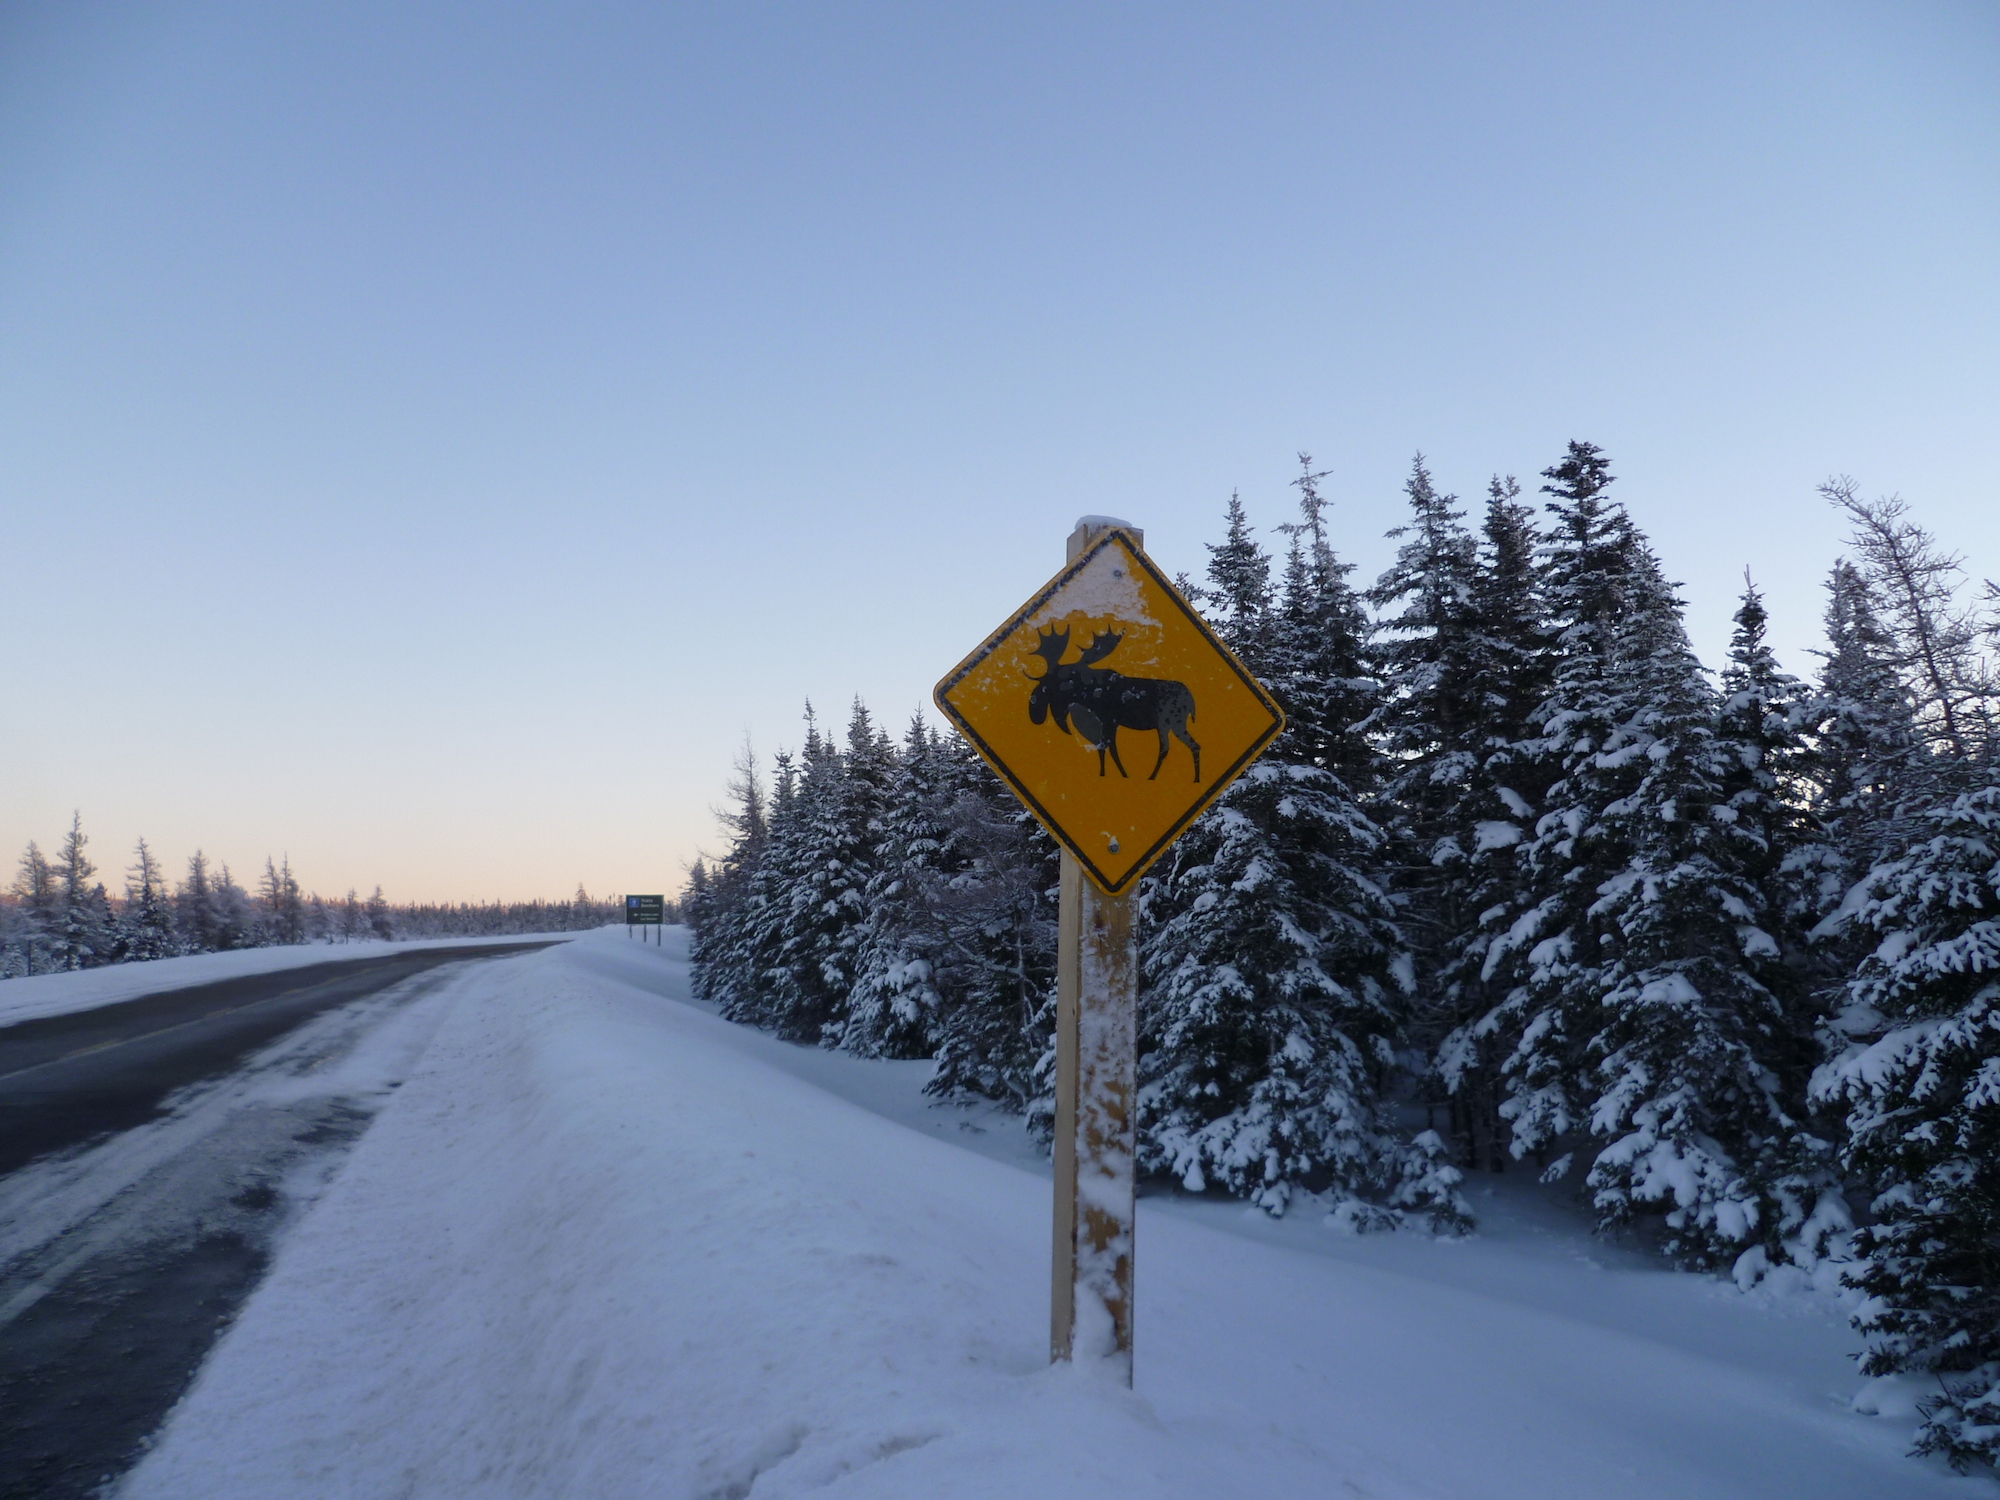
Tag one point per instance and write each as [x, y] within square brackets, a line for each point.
[58, 915]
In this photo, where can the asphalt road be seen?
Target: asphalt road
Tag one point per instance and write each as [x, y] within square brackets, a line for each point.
[151, 1153]
[65, 1079]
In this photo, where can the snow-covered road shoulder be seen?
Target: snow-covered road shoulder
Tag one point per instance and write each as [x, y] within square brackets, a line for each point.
[599, 1245]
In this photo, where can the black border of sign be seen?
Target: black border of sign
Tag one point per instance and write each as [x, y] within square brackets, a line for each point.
[1216, 787]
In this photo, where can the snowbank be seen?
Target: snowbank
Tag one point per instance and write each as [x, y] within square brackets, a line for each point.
[33, 996]
[603, 1244]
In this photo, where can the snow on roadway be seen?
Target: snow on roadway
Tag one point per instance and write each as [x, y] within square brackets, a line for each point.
[33, 996]
[604, 1244]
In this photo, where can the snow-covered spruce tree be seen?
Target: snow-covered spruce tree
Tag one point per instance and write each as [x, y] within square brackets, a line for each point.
[842, 797]
[696, 896]
[82, 936]
[1766, 760]
[281, 904]
[1429, 723]
[894, 1002]
[1275, 978]
[819, 864]
[720, 966]
[753, 934]
[149, 922]
[40, 907]
[17, 937]
[236, 923]
[380, 923]
[1915, 1049]
[1865, 764]
[985, 913]
[1919, 1077]
[194, 907]
[1640, 1019]
[1509, 641]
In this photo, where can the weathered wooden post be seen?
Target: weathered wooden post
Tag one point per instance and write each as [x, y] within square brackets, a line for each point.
[1171, 674]
[1097, 1004]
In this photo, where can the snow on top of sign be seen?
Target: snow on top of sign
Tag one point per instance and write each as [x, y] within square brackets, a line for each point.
[1104, 590]
[1093, 523]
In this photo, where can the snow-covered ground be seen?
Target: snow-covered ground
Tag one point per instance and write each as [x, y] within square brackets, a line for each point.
[33, 996]
[604, 1244]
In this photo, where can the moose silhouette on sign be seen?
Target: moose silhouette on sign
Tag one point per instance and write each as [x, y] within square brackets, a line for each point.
[1100, 701]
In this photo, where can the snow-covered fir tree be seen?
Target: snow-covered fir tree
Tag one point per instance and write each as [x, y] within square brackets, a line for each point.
[281, 904]
[40, 901]
[381, 925]
[722, 919]
[1509, 643]
[149, 919]
[987, 915]
[195, 914]
[1641, 1024]
[1916, 1073]
[82, 935]
[1430, 725]
[235, 914]
[1275, 978]
[825, 851]
[894, 1000]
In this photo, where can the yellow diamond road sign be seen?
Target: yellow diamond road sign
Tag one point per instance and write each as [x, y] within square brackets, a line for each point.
[1111, 709]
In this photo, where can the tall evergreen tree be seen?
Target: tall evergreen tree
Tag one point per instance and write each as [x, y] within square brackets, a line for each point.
[1239, 584]
[721, 966]
[81, 938]
[1864, 767]
[236, 923]
[1430, 723]
[895, 1000]
[1510, 646]
[740, 972]
[41, 907]
[804, 922]
[1275, 977]
[829, 858]
[195, 913]
[987, 908]
[1640, 1020]
[282, 903]
[149, 918]
[1918, 1055]
[380, 924]
[696, 896]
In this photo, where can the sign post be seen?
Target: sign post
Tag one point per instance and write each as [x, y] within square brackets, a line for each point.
[645, 911]
[1144, 661]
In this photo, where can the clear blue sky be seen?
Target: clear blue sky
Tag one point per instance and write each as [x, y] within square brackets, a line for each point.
[431, 436]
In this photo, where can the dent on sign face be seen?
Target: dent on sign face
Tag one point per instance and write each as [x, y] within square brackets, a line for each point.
[1111, 709]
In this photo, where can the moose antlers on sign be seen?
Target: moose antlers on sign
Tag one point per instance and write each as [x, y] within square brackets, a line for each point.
[1100, 701]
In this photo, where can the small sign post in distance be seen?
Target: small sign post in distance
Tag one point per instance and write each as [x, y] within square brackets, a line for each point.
[645, 911]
